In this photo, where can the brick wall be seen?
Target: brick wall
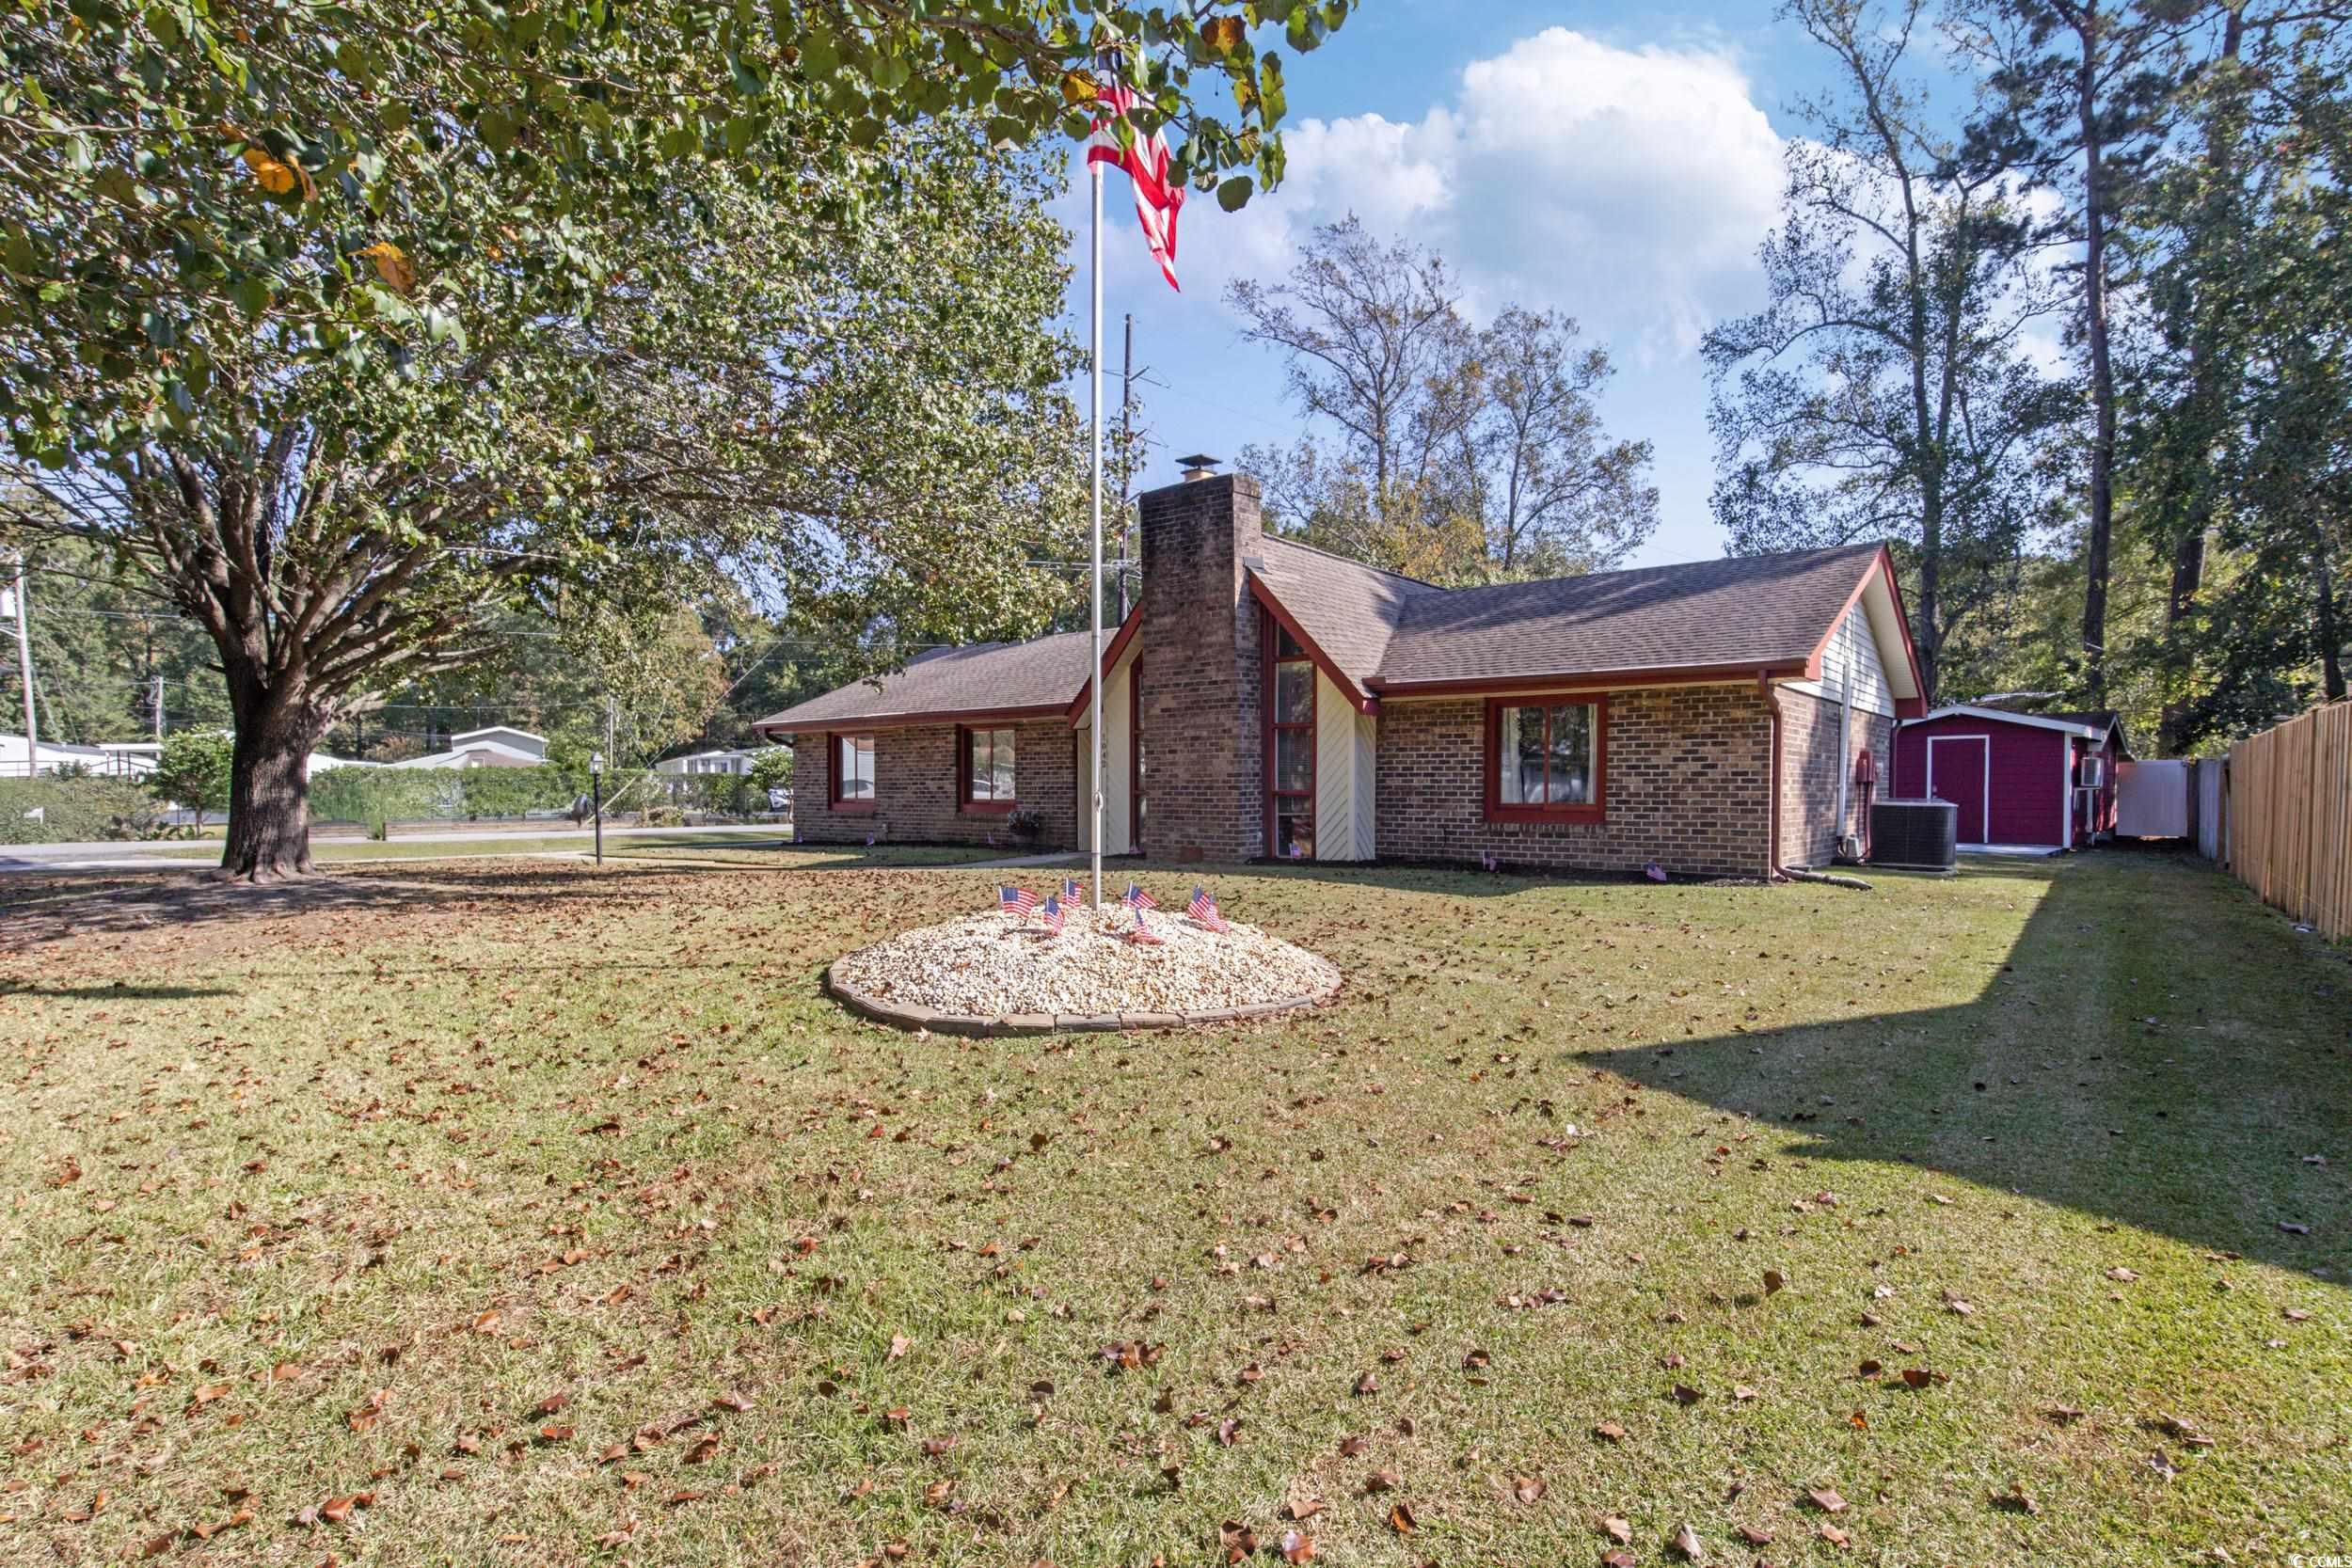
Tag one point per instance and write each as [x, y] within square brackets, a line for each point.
[915, 790]
[1685, 787]
[1201, 672]
[1809, 827]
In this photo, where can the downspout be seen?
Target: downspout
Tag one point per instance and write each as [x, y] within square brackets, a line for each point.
[1772, 794]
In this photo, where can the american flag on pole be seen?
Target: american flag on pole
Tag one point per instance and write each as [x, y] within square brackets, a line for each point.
[1138, 900]
[1050, 915]
[1016, 901]
[1143, 936]
[1203, 909]
[1158, 200]
[1073, 895]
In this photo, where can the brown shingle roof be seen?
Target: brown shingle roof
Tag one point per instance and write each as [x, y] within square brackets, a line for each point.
[988, 677]
[1352, 610]
[1389, 631]
[1386, 632]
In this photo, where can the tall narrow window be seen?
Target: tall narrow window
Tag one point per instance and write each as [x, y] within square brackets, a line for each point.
[1546, 761]
[853, 772]
[985, 769]
[1290, 757]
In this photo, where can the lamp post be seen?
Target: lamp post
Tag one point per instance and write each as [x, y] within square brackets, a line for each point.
[595, 797]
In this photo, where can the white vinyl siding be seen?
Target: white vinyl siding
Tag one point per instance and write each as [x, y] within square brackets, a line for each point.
[1118, 787]
[1854, 648]
[1344, 772]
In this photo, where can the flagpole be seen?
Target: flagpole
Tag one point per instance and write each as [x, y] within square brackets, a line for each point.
[1094, 666]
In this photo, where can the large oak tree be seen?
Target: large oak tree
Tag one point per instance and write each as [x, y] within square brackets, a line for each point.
[349, 326]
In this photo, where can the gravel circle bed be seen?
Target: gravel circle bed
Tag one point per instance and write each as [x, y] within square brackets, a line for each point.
[989, 974]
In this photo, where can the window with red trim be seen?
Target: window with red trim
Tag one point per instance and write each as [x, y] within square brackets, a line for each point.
[1290, 754]
[850, 785]
[984, 770]
[1547, 759]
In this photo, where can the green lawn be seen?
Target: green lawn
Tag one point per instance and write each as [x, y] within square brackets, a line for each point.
[489, 1192]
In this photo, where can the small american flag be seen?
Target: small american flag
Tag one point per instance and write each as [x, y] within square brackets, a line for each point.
[1203, 909]
[1143, 936]
[1138, 900]
[1487, 859]
[1016, 901]
[1072, 893]
[1050, 915]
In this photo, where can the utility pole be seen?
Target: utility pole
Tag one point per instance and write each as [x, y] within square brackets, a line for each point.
[25, 664]
[159, 709]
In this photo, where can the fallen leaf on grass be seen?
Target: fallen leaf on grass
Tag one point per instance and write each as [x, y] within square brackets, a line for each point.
[1834, 1536]
[900, 1345]
[550, 1405]
[1402, 1521]
[2016, 1500]
[1774, 1282]
[1921, 1377]
[1297, 1548]
[1685, 1394]
[1528, 1489]
[1237, 1539]
[1610, 1432]
[2121, 1275]
[1755, 1537]
[1688, 1546]
[1618, 1528]
[1827, 1500]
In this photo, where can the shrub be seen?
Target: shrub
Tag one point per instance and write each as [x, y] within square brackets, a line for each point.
[76, 810]
[194, 771]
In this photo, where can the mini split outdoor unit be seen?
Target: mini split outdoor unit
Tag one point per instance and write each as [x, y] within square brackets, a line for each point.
[1914, 835]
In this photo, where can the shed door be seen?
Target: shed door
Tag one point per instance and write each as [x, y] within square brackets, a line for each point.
[1957, 766]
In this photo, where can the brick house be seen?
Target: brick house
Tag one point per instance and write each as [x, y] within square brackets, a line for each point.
[1266, 699]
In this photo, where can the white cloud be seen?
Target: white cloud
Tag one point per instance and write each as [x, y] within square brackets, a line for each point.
[1628, 186]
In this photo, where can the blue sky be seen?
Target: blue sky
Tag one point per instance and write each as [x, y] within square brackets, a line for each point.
[1618, 163]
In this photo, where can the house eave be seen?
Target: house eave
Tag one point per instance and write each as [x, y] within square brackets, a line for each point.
[846, 723]
[1591, 680]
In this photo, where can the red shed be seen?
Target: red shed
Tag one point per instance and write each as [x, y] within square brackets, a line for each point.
[2033, 780]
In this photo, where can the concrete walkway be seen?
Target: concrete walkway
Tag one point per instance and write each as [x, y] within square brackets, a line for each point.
[1016, 863]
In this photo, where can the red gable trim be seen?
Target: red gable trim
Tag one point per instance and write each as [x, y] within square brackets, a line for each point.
[1883, 562]
[1356, 699]
[1588, 680]
[861, 724]
[1112, 651]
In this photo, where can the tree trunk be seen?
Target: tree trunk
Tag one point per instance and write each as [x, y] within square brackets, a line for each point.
[269, 801]
[2325, 631]
[2102, 530]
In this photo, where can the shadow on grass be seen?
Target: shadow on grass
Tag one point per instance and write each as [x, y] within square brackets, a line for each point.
[121, 991]
[2165, 1062]
[186, 898]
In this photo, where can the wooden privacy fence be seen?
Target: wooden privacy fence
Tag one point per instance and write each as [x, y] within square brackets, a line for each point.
[2290, 817]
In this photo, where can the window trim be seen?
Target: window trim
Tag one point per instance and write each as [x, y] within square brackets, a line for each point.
[1271, 629]
[964, 801]
[1595, 811]
[833, 801]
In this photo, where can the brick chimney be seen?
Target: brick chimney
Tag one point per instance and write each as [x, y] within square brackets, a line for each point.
[1202, 685]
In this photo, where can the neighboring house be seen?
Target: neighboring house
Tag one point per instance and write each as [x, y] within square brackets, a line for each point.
[2042, 780]
[115, 761]
[721, 761]
[1265, 699]
[497, 746]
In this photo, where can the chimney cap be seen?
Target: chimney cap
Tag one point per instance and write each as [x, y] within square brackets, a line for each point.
[1199, 465]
